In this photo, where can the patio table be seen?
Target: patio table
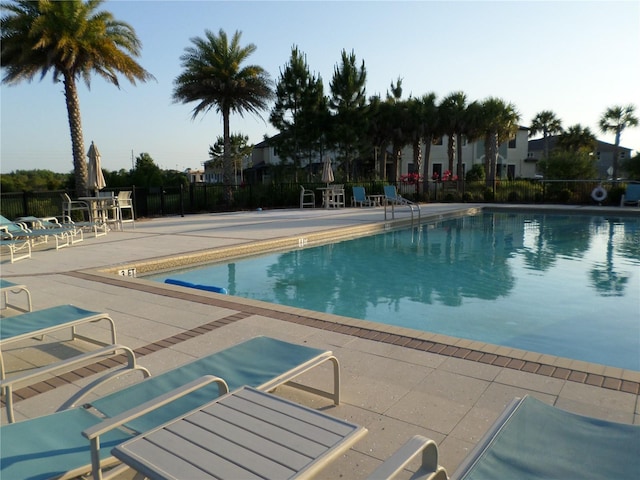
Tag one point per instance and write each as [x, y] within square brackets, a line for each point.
[243, 434]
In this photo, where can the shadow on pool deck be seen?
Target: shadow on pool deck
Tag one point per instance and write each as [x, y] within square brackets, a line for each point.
[396, 382]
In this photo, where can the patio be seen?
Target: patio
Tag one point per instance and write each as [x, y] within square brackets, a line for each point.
[397, 383]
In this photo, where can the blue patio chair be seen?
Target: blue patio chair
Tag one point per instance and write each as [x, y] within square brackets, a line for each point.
[35, 449]
[631, 196]
[360, 198]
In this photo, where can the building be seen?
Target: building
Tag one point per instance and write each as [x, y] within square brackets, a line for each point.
[604, 153]
[513, 161]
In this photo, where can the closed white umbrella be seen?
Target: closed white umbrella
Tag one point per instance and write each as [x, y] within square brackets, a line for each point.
[327, 171]
[96, 178]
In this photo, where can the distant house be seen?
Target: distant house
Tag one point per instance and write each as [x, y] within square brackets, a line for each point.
[195, 176]
[512, 162]
[604, 153]
[512, 159]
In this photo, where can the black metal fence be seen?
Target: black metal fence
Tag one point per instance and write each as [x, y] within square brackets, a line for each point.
[202, 198]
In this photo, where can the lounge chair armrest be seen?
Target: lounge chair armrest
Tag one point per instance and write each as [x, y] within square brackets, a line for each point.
[119, 420]
[8, 385]
[402, 457]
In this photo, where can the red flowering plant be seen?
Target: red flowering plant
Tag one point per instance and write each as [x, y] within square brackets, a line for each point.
[446, 176]
[411, 178]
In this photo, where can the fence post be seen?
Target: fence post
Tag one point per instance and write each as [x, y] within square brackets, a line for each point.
[25, 204]
[181, 200]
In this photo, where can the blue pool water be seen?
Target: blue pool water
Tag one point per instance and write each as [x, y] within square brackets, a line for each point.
[566, 285]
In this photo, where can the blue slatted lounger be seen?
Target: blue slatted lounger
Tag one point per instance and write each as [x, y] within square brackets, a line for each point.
[42, 322]
[35, 449]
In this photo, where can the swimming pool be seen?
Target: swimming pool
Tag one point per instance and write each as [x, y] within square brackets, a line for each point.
[565, 285]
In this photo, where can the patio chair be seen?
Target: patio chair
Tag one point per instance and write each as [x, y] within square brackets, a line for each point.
[7, 287]
[43, 322]
[360, 197]
[37, 449]
[20, 231]
[391, 196]
[124, 203]
[307, 198]
[631, 197]
[336, 196]
[69, 206]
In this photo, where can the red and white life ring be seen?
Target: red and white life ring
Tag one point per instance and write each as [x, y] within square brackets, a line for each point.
[599, 194]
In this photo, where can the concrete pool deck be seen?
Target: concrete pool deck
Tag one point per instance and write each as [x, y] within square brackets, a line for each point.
[395, 382]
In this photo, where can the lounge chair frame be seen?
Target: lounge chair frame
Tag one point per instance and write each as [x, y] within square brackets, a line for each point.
[43, 322]
[9, 385]
[18, 249]
[7, 287]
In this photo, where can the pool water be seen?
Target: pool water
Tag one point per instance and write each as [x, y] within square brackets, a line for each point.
[565, 285]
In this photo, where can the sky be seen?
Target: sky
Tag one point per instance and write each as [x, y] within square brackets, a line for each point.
[576, 58]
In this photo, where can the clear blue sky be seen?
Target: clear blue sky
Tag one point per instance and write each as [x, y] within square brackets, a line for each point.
[574, 57]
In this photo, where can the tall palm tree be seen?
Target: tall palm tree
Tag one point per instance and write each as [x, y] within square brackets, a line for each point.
[453, 119]
[547, 123]
[614, 120]
[72, 40]
[500, 121]
[213, 77]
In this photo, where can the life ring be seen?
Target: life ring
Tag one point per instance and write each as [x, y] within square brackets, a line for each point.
[599, 194]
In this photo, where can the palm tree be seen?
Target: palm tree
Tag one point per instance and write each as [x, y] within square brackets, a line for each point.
[72, 40]
[577, 139]
[214, 78]
[614, 120]
[500, 122]
[547, 123]
[453, 119]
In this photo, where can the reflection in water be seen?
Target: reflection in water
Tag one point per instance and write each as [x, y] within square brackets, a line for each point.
[552, 284]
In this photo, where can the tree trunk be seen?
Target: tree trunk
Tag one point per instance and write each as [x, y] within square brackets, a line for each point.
[493, 147]
[616, 154]
[77, 140]
[425, 165]
[459, 155]
[451, 151]
[417, 161]
[227, 170]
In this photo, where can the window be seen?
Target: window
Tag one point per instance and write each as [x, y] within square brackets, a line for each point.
[512, 143]
[437, 141]
[436, 172]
